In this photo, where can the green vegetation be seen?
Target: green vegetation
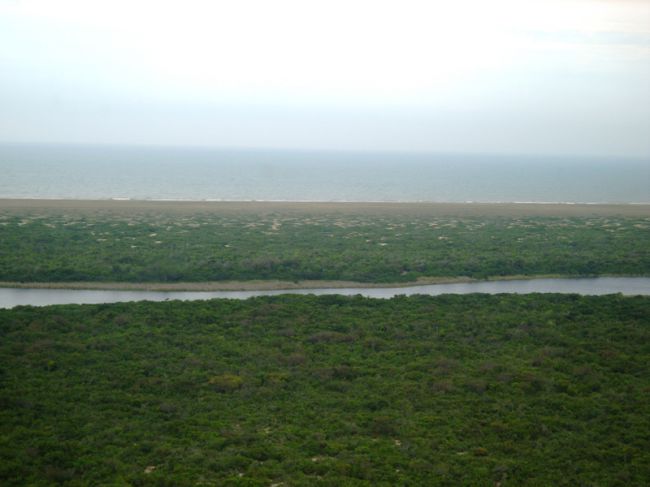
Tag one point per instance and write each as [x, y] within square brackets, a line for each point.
[303, 390]
[290, 246]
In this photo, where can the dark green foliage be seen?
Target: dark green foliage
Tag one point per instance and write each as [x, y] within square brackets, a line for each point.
[303, 390]
[366, 248]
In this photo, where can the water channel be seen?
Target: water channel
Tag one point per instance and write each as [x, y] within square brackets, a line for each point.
[10, 297]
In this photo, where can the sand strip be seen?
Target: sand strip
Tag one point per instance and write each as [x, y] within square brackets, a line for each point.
[265, 208]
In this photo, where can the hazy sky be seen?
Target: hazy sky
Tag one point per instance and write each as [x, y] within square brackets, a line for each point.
[561, 77]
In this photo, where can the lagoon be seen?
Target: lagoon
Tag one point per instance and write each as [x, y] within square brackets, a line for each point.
[10, 297]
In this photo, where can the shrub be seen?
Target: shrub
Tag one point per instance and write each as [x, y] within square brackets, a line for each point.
[226, 382]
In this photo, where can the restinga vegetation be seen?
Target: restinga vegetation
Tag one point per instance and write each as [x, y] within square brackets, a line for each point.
[296, 246]
[304, 390]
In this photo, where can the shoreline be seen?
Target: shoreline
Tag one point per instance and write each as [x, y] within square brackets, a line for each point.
[273, 285]
[253, 285]
[370, 208]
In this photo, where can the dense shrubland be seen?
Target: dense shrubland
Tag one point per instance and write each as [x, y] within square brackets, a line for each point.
[366, 248]
[302, 390]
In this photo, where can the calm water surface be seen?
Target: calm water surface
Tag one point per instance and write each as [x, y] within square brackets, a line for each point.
[149, 173]
[10, 297]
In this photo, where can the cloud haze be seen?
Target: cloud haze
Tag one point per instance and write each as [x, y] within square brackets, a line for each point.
[526, 76]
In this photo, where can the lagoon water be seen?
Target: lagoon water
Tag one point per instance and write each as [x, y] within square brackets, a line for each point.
[632, 286]
[156, 173]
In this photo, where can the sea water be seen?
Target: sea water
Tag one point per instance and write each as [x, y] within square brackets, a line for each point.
[199, 174]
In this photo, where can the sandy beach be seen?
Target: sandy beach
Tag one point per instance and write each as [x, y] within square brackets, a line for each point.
[371, 208]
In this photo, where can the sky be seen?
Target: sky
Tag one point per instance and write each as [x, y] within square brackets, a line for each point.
[535, 77]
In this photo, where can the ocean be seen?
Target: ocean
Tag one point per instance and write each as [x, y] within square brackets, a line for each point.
[201, 174]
